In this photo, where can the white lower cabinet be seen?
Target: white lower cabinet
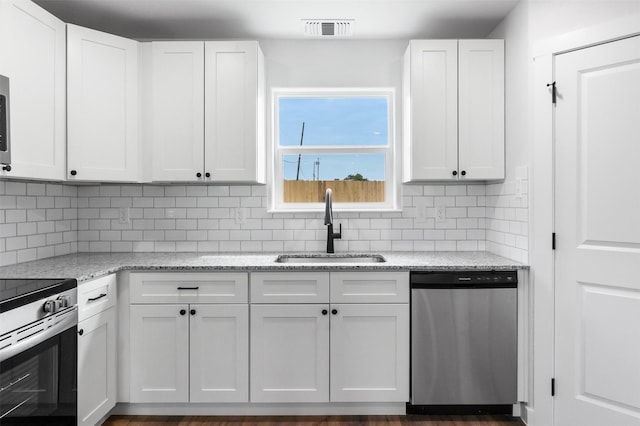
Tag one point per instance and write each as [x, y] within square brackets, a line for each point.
[189, 352]
[96, 349]
[289, 353]
[330, 352]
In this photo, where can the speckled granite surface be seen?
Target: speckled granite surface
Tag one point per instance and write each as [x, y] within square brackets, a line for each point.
[85, 266]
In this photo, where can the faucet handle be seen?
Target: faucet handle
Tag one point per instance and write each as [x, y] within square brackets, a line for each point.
[338, 235]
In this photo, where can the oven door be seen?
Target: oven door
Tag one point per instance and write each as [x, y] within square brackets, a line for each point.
[38, 385]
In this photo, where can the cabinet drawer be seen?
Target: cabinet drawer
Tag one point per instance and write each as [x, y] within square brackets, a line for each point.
[96, 296]
[370, 287]
[189, 287]
[290, 287]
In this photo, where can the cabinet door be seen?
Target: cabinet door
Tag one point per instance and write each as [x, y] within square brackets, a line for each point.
[102, 105]
[32, 48]
[159, 353]
[289, 353]
[178, 110]
[481, 109]
[234, 105]
[431, 125]
[369, 353]
[219, 353]
[96, 366]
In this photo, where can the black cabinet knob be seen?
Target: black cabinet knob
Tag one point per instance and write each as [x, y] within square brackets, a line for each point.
[463, 173]
[207, 175]
[6, 168]
[455, 173]
[81, 332]
[192, 312]
[325, 312]
[199, 174]
[182, 311]
[334, 311]
[73, 172]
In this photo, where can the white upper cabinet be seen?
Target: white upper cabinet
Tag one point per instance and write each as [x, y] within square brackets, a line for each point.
[177, 103]
[234, 112]
[102, 106]
[481, 108]
[32, 48]
[453, 98]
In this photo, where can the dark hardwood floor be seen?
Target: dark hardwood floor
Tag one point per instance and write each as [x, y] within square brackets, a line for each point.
[410, 420]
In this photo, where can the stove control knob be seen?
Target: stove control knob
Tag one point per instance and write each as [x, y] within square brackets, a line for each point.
[64, 301]
[49, 306]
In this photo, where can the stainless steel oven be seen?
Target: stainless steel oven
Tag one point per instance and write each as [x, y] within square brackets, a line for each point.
[38, 352]
[5, 134]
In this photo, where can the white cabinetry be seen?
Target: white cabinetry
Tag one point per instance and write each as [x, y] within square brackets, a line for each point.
[32, 48]
[194, 346]
[96, 349]
[453, 100]
[294, 356]
[102, 106]
[234, 111]
[208, 111]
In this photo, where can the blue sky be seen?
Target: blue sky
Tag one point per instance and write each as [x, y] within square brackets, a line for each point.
[334, 122]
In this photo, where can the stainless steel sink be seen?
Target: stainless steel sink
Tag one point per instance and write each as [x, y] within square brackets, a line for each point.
[330, 258]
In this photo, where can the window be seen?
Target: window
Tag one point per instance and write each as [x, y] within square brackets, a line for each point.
[338, 139]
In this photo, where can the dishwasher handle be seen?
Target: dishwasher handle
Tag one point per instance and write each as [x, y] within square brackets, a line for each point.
[462, 286]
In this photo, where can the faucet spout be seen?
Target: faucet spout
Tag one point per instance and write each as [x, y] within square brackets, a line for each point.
[328, 207]
[328, 220]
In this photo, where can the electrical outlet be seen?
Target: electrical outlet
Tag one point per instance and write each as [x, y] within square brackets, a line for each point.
[441, 213]
[518, 187]
[124, 216]
[240, 215]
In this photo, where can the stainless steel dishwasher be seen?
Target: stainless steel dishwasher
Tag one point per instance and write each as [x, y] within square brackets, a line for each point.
[464, 340]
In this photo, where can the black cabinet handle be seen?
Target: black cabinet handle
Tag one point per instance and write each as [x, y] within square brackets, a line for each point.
[199, 174]
[463, 173]
[334, 311]
[93, 299]
[73, 172]
[455, 173]
[182, 312]
[324, 312]
[6, 168]
[81, 332]
[188, 288]
[208, 175]
[192, 312]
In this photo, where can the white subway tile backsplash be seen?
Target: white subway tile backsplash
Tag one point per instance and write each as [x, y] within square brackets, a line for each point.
[40, 219]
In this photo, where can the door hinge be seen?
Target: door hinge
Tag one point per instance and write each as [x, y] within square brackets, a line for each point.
[553, 241]
[553, 92]
[553, 387]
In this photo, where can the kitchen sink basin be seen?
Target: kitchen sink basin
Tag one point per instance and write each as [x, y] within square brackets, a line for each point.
[330, 258]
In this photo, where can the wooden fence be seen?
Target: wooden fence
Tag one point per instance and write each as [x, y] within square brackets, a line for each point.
[344, 191]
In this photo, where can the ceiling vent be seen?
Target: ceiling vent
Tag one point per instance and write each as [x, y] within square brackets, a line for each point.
[328, 27]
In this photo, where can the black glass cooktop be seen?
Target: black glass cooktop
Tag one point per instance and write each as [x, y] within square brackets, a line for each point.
[18, 292]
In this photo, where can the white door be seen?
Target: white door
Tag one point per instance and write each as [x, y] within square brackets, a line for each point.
[480, 109]
[159, 353]
[369, 353]
[234, 108]
[178, 110]
[32, 48]
[289, 353]
[219, 353]
[431, 96]
[102, 106]
[96, 367]
[597, 213]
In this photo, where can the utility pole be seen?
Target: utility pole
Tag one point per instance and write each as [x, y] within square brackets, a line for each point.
[300, 155]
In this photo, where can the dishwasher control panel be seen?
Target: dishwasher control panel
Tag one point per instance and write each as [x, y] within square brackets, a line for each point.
[429, 279]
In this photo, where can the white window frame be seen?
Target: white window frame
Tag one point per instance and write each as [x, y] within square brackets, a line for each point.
[276, 202]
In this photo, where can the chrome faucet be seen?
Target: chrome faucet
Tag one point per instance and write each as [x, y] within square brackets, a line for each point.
[328, 220]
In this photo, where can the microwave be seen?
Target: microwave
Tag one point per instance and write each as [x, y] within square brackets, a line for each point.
[5, 134]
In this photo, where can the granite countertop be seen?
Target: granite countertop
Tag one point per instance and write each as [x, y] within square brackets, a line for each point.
[85, 266]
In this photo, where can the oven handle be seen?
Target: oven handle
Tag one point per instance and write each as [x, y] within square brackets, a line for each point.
[56, 324]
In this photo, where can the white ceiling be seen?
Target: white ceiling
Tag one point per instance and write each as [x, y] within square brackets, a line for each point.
[281, 19]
